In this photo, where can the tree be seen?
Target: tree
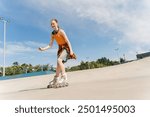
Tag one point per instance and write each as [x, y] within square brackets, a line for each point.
[46, 67]
[84, 65]
[37, 68]
[122, 60]
[15, 64]
[1, 72]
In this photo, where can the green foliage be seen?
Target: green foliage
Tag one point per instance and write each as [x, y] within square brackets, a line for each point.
[15, 64]
[1, 71]
[122, 60]
[27, 68]
[24, 68]
[103, 62]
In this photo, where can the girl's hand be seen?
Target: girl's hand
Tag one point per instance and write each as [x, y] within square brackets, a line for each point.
[41, 49]
[71, 52]
[72, 55]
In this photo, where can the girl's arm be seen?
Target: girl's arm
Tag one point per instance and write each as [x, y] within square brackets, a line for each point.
[68, 42]
[48, 46]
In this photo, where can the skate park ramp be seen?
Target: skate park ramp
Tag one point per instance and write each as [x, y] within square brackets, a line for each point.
[129, 81]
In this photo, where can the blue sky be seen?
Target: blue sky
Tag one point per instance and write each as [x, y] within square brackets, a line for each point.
[94, 28]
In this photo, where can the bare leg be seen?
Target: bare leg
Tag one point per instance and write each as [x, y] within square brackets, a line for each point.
[56, 77]
[61, 65]
[59, 82]
[57, 70]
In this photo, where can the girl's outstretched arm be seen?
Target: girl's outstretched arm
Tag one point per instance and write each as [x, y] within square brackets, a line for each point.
[48, 46]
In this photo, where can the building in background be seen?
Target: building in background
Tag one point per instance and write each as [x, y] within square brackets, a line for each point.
[143, 55]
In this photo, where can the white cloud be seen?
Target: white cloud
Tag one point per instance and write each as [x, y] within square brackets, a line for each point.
[1, 51]
[27, 52]
[132, 23]
[129, 17]
[29, 47]
[34, 44]
[17, 48]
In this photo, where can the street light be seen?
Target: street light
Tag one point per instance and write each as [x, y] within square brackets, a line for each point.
[4, 50]
[117, 52]
[124, 57]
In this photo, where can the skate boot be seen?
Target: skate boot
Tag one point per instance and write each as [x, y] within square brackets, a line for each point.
[58, 82]
[63, 80]
[53, 82]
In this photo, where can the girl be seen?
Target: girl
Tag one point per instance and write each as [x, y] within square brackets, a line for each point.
[64, 53]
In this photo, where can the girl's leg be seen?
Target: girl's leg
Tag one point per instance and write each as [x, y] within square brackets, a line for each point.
[61, 66]
[62, 57]
[57, 81]
[56, 77]
[57, 70]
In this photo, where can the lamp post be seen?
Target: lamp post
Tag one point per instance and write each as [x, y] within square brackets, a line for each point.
[117, 52]
[124, 57]
[4, 50]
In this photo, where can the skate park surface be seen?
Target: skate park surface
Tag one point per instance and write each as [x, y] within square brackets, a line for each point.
[129, 81]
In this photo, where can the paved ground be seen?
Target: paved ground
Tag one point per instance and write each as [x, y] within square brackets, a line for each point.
[126, 81]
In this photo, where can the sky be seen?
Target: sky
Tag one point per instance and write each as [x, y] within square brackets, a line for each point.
[99, 28]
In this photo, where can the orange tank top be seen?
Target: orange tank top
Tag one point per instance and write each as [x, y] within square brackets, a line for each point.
[59, 37]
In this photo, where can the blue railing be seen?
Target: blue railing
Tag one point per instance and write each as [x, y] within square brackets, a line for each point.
[26, 75]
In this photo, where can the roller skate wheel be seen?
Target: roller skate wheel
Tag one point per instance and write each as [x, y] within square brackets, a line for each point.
[66, 84]
[48, 86]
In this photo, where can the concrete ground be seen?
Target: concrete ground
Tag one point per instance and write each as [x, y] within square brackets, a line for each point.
[129, 81]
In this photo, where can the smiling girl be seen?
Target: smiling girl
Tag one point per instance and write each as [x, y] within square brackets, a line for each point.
[64, 53]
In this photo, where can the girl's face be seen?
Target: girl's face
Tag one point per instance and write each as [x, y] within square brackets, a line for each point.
[54, 25]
